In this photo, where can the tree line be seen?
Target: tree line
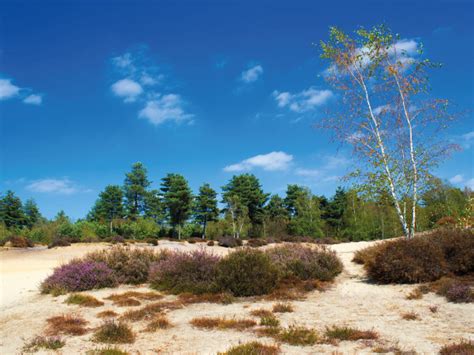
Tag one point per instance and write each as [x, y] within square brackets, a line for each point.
[138, 211]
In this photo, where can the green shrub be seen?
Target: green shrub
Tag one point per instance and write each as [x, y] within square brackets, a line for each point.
[50, 343]
[306, 263]
[298, 336]
[253, 348]
[247, 272]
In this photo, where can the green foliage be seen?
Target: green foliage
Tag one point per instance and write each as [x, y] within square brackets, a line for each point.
[113, 332]
[135, 190]
[11, 211]
[205, 207]
[247, 272]
[177, 199]
[307, 216]
[109, 206]
[32, 213]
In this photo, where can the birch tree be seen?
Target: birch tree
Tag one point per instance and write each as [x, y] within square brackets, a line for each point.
[386, 113]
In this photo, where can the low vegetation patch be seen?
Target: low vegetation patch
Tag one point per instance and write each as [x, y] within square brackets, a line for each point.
[269, 321]
[253, 348]
[222, 323]
[247, 272]
[296, 335]
[465, 347]
[66, 324]
[79, 275]
[41, 342]
[410, 316]
[179, 272]
[229, 242]
[282, 308]
[107, 351]
[113, 332]
[17, 242]
[421, 259]
[261, 312]
[149, 311]
[454, 290]
[83, 300]
[222, 298]
[351, 334]
[159, 322]
[416, 294]
[107, 314]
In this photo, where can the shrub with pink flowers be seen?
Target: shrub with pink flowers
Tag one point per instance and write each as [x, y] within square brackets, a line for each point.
[185, 272]
[79, 275]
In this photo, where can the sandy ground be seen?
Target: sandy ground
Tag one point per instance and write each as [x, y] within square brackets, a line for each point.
[351, 301]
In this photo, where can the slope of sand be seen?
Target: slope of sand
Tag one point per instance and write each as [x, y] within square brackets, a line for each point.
[351, 301]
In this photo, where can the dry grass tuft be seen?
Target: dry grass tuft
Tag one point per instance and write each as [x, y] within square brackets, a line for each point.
[66, 324]
[107, 351]
[144, 296]
[282, 308]
[261, 312]
[83, 300]
[159, 322]
[433, 309]
[149, 311]
[41, 342]
[253, 348]
[127, 302]
[350, 334]
[416, 294]
[465, 347]
[410, 316]
[296, 335]
[222, 298]
[269, 321]
[222, 323]
[107, 314]
[114, 333]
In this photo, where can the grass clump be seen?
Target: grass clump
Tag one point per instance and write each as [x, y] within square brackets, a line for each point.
[410, 316]
[282, 308]
[247, 272]
[107, 351]
[351, 334]
[113, 332]
[222, 323]
[462, 348]
[416, 294]
[107, 314]
[66, 324]
[160, 322]
[149, 311]
[83, 300]
[41, 342]
[252, 348]
[306, 263]
[179, 272]
[296, 335]
[261, 312]
[222, 298]
[269, 321]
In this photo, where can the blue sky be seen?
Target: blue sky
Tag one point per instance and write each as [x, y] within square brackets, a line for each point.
[87, 88]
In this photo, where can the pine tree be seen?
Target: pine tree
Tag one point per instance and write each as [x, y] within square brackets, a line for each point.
[177, 199]
[205, 207]
[135, 189]
[109, 206]
[11, 211]
[32, 213]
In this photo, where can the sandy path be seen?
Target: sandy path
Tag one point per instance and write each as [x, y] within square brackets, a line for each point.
[352, 301]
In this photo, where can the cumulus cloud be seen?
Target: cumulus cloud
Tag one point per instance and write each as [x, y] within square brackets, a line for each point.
[142, 82]
[7, 89]
[252, 74]
[304, 101]
[467, 139]
[270, 162]
[165, 108]
[456, 179]
[33, 99]
[127, 89]
[58, 186]
[328, 171]
[460, 180]
[308, 172]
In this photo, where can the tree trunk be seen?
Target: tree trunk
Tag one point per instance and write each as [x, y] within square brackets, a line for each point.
[204, 230]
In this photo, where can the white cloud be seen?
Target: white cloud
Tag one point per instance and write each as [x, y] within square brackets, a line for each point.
[127, 89]
[456, 179]
[303, 101]
[271, 162]
[252, 74]
[470, 184]
[166, 108]
[33, 99]
[123, 61]
[308, 172]
[59, 186]
[404, 46]
[7, 89]
[467, 139]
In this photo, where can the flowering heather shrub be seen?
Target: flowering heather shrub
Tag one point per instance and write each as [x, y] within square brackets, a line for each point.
[306, 263]
[230, 242]
[79, 275]
[179, 272]
[458, 249]
[454, 290]
[247, 272]
[130, 266]
[407, 261]
[465, 347]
